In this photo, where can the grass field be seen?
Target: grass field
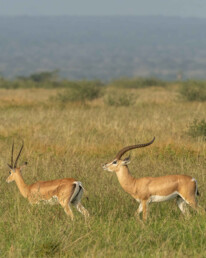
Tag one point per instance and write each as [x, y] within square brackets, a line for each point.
[74, 140]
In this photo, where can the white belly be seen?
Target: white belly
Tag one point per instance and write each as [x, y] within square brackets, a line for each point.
[159, 198]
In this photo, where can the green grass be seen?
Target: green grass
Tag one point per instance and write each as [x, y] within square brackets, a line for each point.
[74, 141]
[194, 90]
[198, 129]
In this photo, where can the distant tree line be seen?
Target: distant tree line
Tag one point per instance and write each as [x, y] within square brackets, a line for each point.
[191, 90]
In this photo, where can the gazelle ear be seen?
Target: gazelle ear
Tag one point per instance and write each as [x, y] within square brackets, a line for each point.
[126, 161]
[24, 165]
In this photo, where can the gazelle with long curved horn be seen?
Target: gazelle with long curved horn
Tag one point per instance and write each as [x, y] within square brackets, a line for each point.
[66, 191]
[153, 189]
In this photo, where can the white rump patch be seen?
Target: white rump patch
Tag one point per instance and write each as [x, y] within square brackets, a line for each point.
[194, 180]
[159, 198]
[77, 194]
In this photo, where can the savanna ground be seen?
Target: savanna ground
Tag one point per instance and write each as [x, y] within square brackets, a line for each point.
[74, 140]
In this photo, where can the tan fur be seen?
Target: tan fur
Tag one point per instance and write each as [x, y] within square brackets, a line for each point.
[147, 189]
[62, 189]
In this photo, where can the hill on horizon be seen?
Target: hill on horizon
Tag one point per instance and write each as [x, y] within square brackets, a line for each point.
[103, 47]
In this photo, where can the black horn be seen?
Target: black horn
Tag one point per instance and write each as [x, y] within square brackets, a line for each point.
[125, 149]
[12, 155]
[15, 164]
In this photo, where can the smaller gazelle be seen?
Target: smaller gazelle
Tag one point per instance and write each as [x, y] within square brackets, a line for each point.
[65, 191]
[153, 189]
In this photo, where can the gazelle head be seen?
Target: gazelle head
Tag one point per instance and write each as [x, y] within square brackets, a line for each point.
[115, 165]
[14, 170]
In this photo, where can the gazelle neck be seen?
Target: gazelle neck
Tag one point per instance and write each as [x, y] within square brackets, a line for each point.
[126, 180]
[23, 188]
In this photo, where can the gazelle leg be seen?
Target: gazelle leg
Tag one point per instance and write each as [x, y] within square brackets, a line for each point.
[193, 203]
[182, 205]
[139, 210]
[82, 210]
[144, 209]
[67, 209]
[69, 212]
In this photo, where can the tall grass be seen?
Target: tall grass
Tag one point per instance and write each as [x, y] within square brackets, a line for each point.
[119, 98]
[194, 90]
[74, 141]
[81, 92]
[136, 83]
[197, 129]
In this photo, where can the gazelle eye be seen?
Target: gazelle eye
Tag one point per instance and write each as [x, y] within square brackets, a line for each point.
[10, 172]
[114, 162]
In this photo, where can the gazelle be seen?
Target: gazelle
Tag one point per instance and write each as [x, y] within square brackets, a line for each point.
[65, 191]
[153, 189]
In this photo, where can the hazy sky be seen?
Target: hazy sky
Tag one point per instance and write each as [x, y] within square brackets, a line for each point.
[183, 8]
